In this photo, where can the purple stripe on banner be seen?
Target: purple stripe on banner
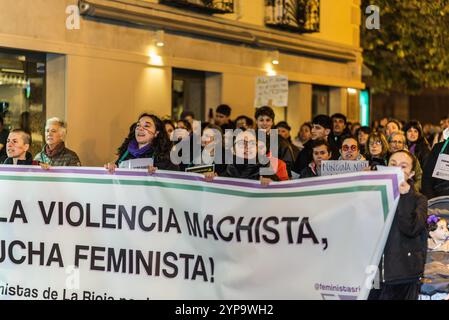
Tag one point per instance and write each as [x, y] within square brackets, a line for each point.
[166, 174]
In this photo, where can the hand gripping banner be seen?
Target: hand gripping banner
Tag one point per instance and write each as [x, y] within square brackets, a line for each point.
[84, 234]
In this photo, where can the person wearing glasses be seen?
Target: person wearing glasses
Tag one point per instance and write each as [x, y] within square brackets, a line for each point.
[150, 140]
[398, 143]
[321, 151]
[246, 163]
[350, 150]
[378, 150]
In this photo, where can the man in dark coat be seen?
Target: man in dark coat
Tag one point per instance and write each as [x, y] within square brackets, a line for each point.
[339, 130]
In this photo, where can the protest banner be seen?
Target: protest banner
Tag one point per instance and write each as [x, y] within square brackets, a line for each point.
[82, 233]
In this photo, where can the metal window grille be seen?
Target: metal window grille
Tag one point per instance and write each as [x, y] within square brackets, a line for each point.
[205, 6]
[295, 15]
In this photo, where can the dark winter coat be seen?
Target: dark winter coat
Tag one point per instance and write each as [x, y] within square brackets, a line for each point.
[27, 162]
[406, 247]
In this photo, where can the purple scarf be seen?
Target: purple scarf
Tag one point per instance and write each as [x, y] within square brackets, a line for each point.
[412, 148]
[133, 149]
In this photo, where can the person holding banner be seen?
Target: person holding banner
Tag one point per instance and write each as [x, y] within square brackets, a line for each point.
[246, 164]
[17, 146]
[150, 141]
[55, 153]
[405, 251]
[321, 150]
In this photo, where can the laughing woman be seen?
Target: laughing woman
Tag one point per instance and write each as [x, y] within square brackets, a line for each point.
[150, 140]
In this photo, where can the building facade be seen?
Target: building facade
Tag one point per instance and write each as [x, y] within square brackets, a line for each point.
[100, 74]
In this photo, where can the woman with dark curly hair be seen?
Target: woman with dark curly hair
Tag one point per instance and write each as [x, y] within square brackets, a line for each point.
[417, 143]
[149, 139]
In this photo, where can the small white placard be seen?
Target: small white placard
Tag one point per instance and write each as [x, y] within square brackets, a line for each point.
[142, 163]
[442, 167]
[334, 167]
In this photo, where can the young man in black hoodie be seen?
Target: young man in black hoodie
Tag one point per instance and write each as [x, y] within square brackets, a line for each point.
[321, 128]
[17, 146]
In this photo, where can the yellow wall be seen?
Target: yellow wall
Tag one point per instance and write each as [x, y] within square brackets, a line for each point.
[337, 18]
[104, 99]
[336, 22]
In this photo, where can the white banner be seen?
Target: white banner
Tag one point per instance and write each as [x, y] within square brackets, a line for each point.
[81, 233]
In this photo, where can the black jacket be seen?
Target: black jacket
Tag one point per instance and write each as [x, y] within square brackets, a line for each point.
[27, 162]
[406, 247]
[375, 161]
[246, 171]
[307, 172]
[434, 187]
[422, 152]
[336, 141]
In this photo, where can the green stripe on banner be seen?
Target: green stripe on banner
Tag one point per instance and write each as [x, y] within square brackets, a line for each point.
[237, 193]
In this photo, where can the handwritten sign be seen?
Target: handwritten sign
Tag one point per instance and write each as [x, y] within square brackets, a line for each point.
[271, 91]
[334, 167]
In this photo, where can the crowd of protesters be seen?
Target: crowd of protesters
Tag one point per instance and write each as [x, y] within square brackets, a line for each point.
[248, 155]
